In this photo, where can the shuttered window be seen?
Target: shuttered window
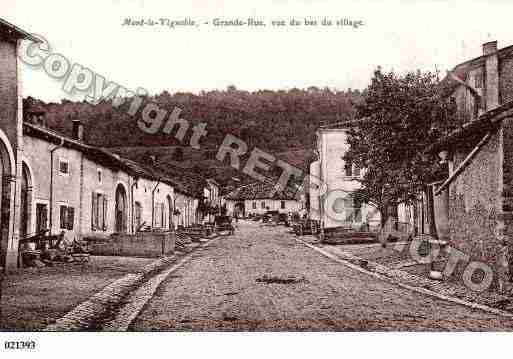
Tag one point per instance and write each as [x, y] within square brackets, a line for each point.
[163, 218]
[94, 212]
[41, 217]
[67, 217]
[99, 212]
[159, 215]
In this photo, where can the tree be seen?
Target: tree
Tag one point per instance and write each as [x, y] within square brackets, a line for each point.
[400, 117]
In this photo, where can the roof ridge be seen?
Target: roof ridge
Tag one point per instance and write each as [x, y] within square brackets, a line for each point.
[24, 34]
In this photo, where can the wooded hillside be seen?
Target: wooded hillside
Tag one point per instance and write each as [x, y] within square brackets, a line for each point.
[275, 121]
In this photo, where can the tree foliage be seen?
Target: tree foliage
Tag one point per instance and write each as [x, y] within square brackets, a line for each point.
[274, 121]
[400, 117]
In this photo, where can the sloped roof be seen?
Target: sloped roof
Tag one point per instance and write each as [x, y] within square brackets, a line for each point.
[15, 32]
[343, 124]
[448, 84]
[471, 130]
[259, 190]
[183, 183]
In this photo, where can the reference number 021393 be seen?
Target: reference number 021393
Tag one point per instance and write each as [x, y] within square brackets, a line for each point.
[20, 345]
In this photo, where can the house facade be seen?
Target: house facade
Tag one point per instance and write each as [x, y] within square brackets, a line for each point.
[258, 198]
[332, 189]
[211, 199]
[11, 140]
[333, 183]
[474, 204]
[58, 184]
[71, 187]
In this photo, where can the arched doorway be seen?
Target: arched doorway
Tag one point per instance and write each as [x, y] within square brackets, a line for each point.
[120, 210]
[26, 201]
[8, 249]
[170, 211]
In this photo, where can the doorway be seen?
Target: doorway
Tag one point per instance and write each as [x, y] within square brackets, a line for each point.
[121, 209]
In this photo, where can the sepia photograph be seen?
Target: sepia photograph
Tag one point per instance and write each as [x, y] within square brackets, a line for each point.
[281, 177]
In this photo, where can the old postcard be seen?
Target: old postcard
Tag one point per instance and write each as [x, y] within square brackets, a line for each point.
[271, 166]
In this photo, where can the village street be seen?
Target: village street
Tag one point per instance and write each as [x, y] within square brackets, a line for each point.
[226, 287]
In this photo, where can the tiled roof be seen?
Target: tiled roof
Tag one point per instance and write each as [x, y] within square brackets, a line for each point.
[182, 182]
[462, 70]
[14, 31]
[259, 190]
[343, 124]
[463, 135]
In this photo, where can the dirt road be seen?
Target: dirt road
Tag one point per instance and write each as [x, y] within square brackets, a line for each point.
[261, 279]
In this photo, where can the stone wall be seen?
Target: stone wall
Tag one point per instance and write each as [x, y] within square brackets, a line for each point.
[506, 80]
[506, 215]
[142, 244]
[8, 89]
[474, 204]
[12, 148]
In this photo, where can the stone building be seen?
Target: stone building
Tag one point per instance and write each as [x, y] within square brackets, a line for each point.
[474, 204]
[11, 140]
[62, 184]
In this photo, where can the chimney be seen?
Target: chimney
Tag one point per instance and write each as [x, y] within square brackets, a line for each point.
[489, 47]
[78, 130]
[491, 75]
[36, 115]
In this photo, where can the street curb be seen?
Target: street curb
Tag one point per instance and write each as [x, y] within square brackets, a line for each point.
[137, 299]
[406, 286]
[88, 315]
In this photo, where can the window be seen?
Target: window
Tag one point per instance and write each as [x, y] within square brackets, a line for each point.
[159, 215]
[479, 79]
[357, 210]
[63, 167]
[254, 205]
[351, 170]
[282, 204]
[99, 212]
[41, 217]
[67, 216]
[348, 169]
[100, 176]
[138, 215]
[356, 171]
[162, 217]
[262, 205]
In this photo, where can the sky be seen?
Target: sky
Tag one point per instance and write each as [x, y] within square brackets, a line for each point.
[396, 35]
